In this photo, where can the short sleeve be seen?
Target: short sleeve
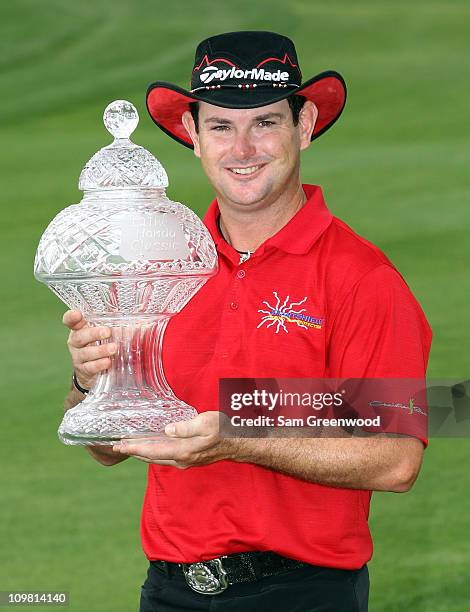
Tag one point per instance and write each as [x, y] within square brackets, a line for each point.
[379, 330]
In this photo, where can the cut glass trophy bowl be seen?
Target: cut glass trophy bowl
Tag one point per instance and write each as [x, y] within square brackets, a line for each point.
[128, 258]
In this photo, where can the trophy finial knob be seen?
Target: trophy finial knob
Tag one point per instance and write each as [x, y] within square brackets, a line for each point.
[120, 118]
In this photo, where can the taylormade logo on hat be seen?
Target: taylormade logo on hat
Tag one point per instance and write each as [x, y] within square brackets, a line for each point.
[211, 73]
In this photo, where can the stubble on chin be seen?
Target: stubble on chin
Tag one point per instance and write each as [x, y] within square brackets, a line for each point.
[247, 195]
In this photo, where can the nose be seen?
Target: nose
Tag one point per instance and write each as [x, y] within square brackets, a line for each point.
[243, 147]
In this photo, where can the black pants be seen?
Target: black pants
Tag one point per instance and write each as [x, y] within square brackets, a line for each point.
[308, 589]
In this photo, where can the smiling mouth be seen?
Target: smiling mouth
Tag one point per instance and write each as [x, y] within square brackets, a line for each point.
[246, 171]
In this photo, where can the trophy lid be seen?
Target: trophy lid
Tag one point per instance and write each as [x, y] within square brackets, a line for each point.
[122, 164]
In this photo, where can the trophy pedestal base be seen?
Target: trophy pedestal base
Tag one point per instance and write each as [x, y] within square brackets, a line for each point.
[105, 423]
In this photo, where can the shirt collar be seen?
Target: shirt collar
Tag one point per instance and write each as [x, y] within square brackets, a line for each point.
[297, 236]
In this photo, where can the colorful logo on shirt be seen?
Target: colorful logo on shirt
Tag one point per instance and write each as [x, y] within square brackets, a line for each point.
[280, 315]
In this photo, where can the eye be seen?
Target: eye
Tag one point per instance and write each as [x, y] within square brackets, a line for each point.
[220, 128]
[266, 123]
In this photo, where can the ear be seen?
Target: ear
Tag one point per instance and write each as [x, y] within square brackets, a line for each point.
[188, 123]
[307, 119]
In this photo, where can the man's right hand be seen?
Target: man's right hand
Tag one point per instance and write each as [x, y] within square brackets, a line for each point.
[88, 357]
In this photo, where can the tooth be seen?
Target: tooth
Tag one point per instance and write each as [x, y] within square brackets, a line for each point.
[245, 170]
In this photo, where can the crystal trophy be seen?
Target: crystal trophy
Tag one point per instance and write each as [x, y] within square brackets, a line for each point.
[128, 258]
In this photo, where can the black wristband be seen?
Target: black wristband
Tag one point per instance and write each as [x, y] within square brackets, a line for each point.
[77, 385]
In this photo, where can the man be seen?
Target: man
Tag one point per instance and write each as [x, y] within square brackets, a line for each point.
[266, 524]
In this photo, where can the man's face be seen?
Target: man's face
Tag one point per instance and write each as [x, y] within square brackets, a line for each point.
[251, 156]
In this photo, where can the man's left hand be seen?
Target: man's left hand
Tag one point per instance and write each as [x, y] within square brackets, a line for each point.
[184, 444]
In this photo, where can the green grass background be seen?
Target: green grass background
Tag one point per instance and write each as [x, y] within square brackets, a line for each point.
[395, 167]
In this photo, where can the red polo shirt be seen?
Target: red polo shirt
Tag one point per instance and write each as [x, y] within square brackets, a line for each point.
[370, 326]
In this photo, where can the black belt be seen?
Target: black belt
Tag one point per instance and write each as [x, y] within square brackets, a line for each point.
[214, 576]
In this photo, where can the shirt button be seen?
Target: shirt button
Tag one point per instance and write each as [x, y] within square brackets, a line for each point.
[241, 273]
[234, 305]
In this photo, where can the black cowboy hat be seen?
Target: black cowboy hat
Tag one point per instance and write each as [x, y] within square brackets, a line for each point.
[245, 70]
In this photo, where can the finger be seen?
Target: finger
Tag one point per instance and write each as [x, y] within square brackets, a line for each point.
[94, 352]
[73, 319]
[156, 461]
[88, 335]
[203, 425]
[155, 449]
[90, 368]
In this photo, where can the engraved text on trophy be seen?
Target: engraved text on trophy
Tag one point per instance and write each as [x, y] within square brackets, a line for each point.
[152, 236]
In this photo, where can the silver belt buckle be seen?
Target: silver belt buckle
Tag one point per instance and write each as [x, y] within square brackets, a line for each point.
[206, 577]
